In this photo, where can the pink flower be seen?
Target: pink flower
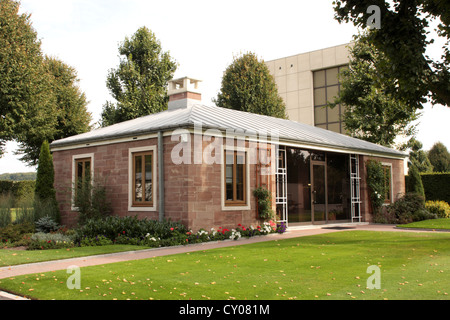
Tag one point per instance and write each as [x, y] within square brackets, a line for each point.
[171, 229]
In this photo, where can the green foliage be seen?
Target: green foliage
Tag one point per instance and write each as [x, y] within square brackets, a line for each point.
[46, 225]
[45, 241]
[44, 191]
[439, 157]
[264, 198]
[16, 232]
[403, 38]
[18, 191]
[437, 186]
[112, 227]
[409, 208]
[36, 102]
[139, 84]
[375, 182]
[415, 182]
[92, 201]
[372, 113]
[247, 85]
[419, 157]
[440, 208]
[95, 241]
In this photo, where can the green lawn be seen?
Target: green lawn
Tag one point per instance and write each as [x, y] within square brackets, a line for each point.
[437, 224]
[329, 266]
[10, 257]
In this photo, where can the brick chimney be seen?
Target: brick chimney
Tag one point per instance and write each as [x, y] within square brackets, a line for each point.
[183, 93]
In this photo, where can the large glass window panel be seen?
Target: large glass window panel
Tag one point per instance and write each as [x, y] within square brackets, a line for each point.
[335, 127]
[320, 115]
[298, 186]
[338, 187]
[319, 78]
[332, 93]
[332, 76]
[320, 97]
[138, 179]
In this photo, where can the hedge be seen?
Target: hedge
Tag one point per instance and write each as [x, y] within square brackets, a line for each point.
[436, 185]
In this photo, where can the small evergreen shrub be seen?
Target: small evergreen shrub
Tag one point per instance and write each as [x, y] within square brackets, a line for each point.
[46, 225]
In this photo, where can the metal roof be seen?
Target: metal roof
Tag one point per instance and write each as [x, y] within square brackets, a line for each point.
[227, 119]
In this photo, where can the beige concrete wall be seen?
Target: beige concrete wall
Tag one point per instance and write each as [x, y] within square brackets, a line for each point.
[294, 78]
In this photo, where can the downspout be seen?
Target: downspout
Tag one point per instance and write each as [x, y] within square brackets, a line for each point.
[161, 175]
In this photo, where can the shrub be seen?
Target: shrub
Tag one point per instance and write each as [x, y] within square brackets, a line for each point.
[440, 208]
[92, 201]
[375, 182]
[46, 225]
[409, 208]
[113, 226]
[15, 232]
[264, 197]
[99, 240]
[45, 241]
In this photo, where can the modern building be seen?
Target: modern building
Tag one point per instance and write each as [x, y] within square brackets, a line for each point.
[200, 164]
[307, 81]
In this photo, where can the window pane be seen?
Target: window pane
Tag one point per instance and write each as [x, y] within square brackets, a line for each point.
[335, 127]
[332, 76]
[332, 93]
[320, 115]
[240, 171]
[148, 178]
[319, 78]
[138, 178]
[333, 114]
[319, 97]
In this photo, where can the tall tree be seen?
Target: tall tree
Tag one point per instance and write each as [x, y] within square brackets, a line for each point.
[439, 157]
[139, 84]
[25, 89]
[372, 113]
[72, 116]
[418, 157]
[39, 96]
[403, 38]
[247, 85]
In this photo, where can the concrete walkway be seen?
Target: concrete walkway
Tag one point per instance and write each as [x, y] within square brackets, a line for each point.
[42, 267]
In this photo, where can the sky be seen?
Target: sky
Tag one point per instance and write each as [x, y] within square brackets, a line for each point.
[203, 36]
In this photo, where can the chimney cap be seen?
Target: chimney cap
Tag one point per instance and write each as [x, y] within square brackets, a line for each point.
[184, 84]
[183, 92]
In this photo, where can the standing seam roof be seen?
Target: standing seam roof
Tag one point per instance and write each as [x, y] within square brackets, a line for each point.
[227, 119]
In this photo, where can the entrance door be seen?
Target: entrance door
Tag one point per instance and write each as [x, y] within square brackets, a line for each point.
[318, 193]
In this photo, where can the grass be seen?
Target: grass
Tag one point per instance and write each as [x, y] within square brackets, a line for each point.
[329, 266]
[11, 257]
[436, 224]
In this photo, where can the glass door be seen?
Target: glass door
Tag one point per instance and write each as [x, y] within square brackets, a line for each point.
[318, 193]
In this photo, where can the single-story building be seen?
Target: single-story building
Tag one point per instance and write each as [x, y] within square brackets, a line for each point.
[199, 165]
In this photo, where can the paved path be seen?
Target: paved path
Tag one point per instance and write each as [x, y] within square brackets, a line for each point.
[42, 267]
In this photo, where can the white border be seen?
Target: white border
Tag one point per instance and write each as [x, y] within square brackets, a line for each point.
[247, 206]
[74, 158]
[130, 178]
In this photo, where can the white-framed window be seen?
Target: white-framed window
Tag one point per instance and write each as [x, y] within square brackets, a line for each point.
[235, 179]
[82, 171]
[142, 179]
